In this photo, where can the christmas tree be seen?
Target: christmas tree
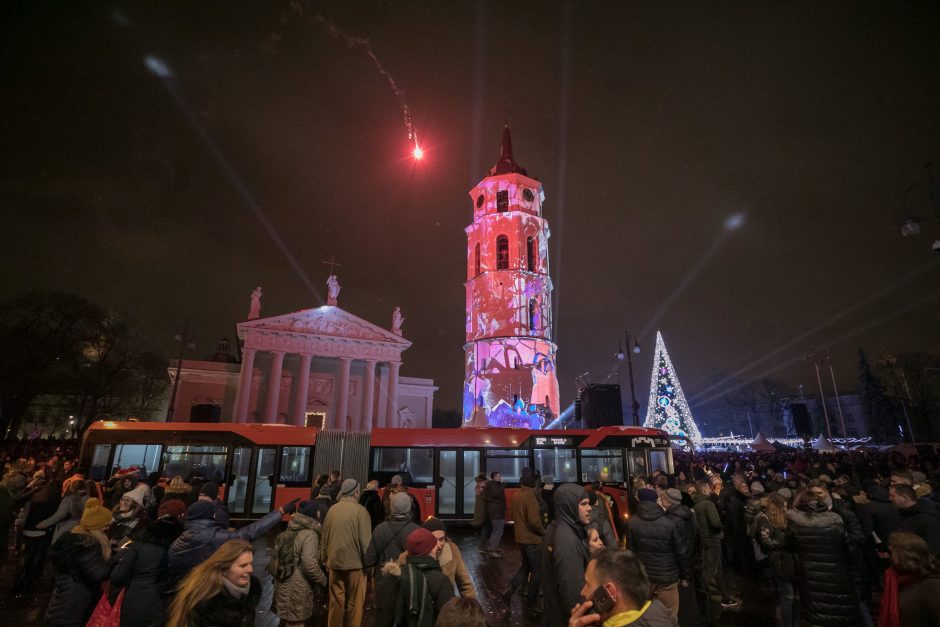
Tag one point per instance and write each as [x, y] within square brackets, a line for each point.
[667, 409]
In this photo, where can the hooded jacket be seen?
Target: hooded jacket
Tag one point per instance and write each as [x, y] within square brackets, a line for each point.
[202, 536]
[921, 519]
[439, 587]
[79, 570]
[660, 544]
[827, 592]
[709, 522]
[527, 517]
[294, 597]
[564, 555]
[879, 515]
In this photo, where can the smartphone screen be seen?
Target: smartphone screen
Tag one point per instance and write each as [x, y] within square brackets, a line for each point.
[601, 601]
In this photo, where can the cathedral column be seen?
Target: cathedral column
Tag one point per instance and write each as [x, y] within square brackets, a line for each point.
[243, 394]
[300, 394]
[368, 397]
[274, 388]
[391, 418]
[342, 401]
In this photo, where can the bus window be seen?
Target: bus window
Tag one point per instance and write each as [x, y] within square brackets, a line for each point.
[416, 461]
[99, 470]
[295, 464]
[508, 462]
[264, 481]
[238, 488]
[144, 456]
[560, 463]
[636, 463]
[189, 460]
[659, 461]
[602, 465]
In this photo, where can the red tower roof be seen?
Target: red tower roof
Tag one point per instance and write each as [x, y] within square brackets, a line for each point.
[506, 165]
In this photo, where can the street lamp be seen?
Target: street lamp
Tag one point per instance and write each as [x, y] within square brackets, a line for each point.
[631, 346]
[71, 426]
[184, 338]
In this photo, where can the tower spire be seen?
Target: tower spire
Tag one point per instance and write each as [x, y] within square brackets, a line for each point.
[506, 150]
[506, 164]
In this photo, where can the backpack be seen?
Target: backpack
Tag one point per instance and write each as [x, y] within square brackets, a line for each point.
[415, 607]
[284, 556]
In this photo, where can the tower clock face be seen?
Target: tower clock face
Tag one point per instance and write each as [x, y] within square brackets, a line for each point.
[528, 195]
[479, 201]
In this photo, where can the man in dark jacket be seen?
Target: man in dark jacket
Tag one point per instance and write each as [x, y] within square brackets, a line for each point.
[621, 575]
[659, 543]
[687, 526]
[419, 588]
[879, 515]
[495, 494]
[371, 500]
[564, 554]
[388, 542]
[528, 530]
[916, 516]
[732, 507]
[203, 534]
[710, 530]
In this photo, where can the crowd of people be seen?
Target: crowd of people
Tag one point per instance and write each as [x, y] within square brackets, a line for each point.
[842, 539]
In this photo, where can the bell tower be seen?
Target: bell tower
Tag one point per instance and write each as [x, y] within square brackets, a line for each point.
[509, 356]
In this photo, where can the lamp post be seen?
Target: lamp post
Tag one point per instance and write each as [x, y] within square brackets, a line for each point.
[631, 346]
[812, 357]
[184, 338]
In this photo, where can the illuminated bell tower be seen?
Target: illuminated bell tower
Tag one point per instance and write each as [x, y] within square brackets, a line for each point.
[509, 354]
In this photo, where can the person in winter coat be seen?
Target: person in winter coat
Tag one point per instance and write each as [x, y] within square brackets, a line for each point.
[479, 510]
[620, 574]
[220, 591]
[450, 559]
[388, 543]
[601, 518]
[10, 489]
[129, 514]
[564, 554]
[685, 521]
[419, 587]
[371, 500]
[732, 506]
[775, 541]
[529, 532]
[347, 533]
[70, 510]
[879, 515]
[826, 590]
[917, 516]
[911, 595]
[295, 567]
[178, 489]
[495, 495]
[203, 534]
[40, 506]
[711, 532]
[661, 545]
[82, 560]
[141, 568]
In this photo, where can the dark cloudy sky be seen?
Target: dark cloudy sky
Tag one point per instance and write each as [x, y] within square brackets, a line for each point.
[648, 124]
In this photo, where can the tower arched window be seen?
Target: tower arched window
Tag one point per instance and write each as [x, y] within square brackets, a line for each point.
[532, 252]
[476, 260]
[502, 253]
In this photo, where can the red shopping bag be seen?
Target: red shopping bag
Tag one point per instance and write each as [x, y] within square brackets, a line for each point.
[105, 614]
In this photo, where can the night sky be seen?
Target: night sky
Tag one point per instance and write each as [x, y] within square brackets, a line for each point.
[648, 124]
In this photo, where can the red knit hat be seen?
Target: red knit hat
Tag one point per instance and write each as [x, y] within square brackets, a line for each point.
[172, 507]
[421, 542]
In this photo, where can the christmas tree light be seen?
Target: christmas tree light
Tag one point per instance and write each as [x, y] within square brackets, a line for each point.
[667, 408]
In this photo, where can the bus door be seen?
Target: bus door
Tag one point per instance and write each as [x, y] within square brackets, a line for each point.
[252, 487]
[456, 485]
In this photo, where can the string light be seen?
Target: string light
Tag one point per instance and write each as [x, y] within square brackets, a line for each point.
[667, 408]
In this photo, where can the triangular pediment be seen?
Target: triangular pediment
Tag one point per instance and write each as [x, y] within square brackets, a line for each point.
[324, 322]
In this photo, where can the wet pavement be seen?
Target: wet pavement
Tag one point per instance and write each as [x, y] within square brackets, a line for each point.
[490, 575]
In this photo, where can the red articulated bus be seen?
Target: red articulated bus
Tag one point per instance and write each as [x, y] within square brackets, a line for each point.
[262, 466]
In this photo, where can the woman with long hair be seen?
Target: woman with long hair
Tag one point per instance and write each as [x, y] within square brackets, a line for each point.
[777, 543]
[219, 591]
[912, 584]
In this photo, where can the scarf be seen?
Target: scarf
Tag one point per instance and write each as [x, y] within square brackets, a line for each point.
[888, 614]
[238, 592]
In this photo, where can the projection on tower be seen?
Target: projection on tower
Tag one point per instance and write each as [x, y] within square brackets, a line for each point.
[509, 355]
[667, 408]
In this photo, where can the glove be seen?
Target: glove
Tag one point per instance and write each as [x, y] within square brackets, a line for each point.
[291, 507]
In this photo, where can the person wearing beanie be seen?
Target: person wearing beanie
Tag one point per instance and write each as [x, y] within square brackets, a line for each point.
[129, 514]
[209, 491]
[450, 559]
[388, 543]
[70, 508]
[203, 533]
[178, 489]
[420, 587]
[347, 532]
[661, 546]
[143, 563]
[394, 487]
[82, 560]
[688, 541]
[371, 500]
[295, 567]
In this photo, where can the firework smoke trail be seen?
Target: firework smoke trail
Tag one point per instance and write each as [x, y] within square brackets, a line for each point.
[352, 42]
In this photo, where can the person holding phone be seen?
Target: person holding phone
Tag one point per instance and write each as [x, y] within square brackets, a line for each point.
[618, 593]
